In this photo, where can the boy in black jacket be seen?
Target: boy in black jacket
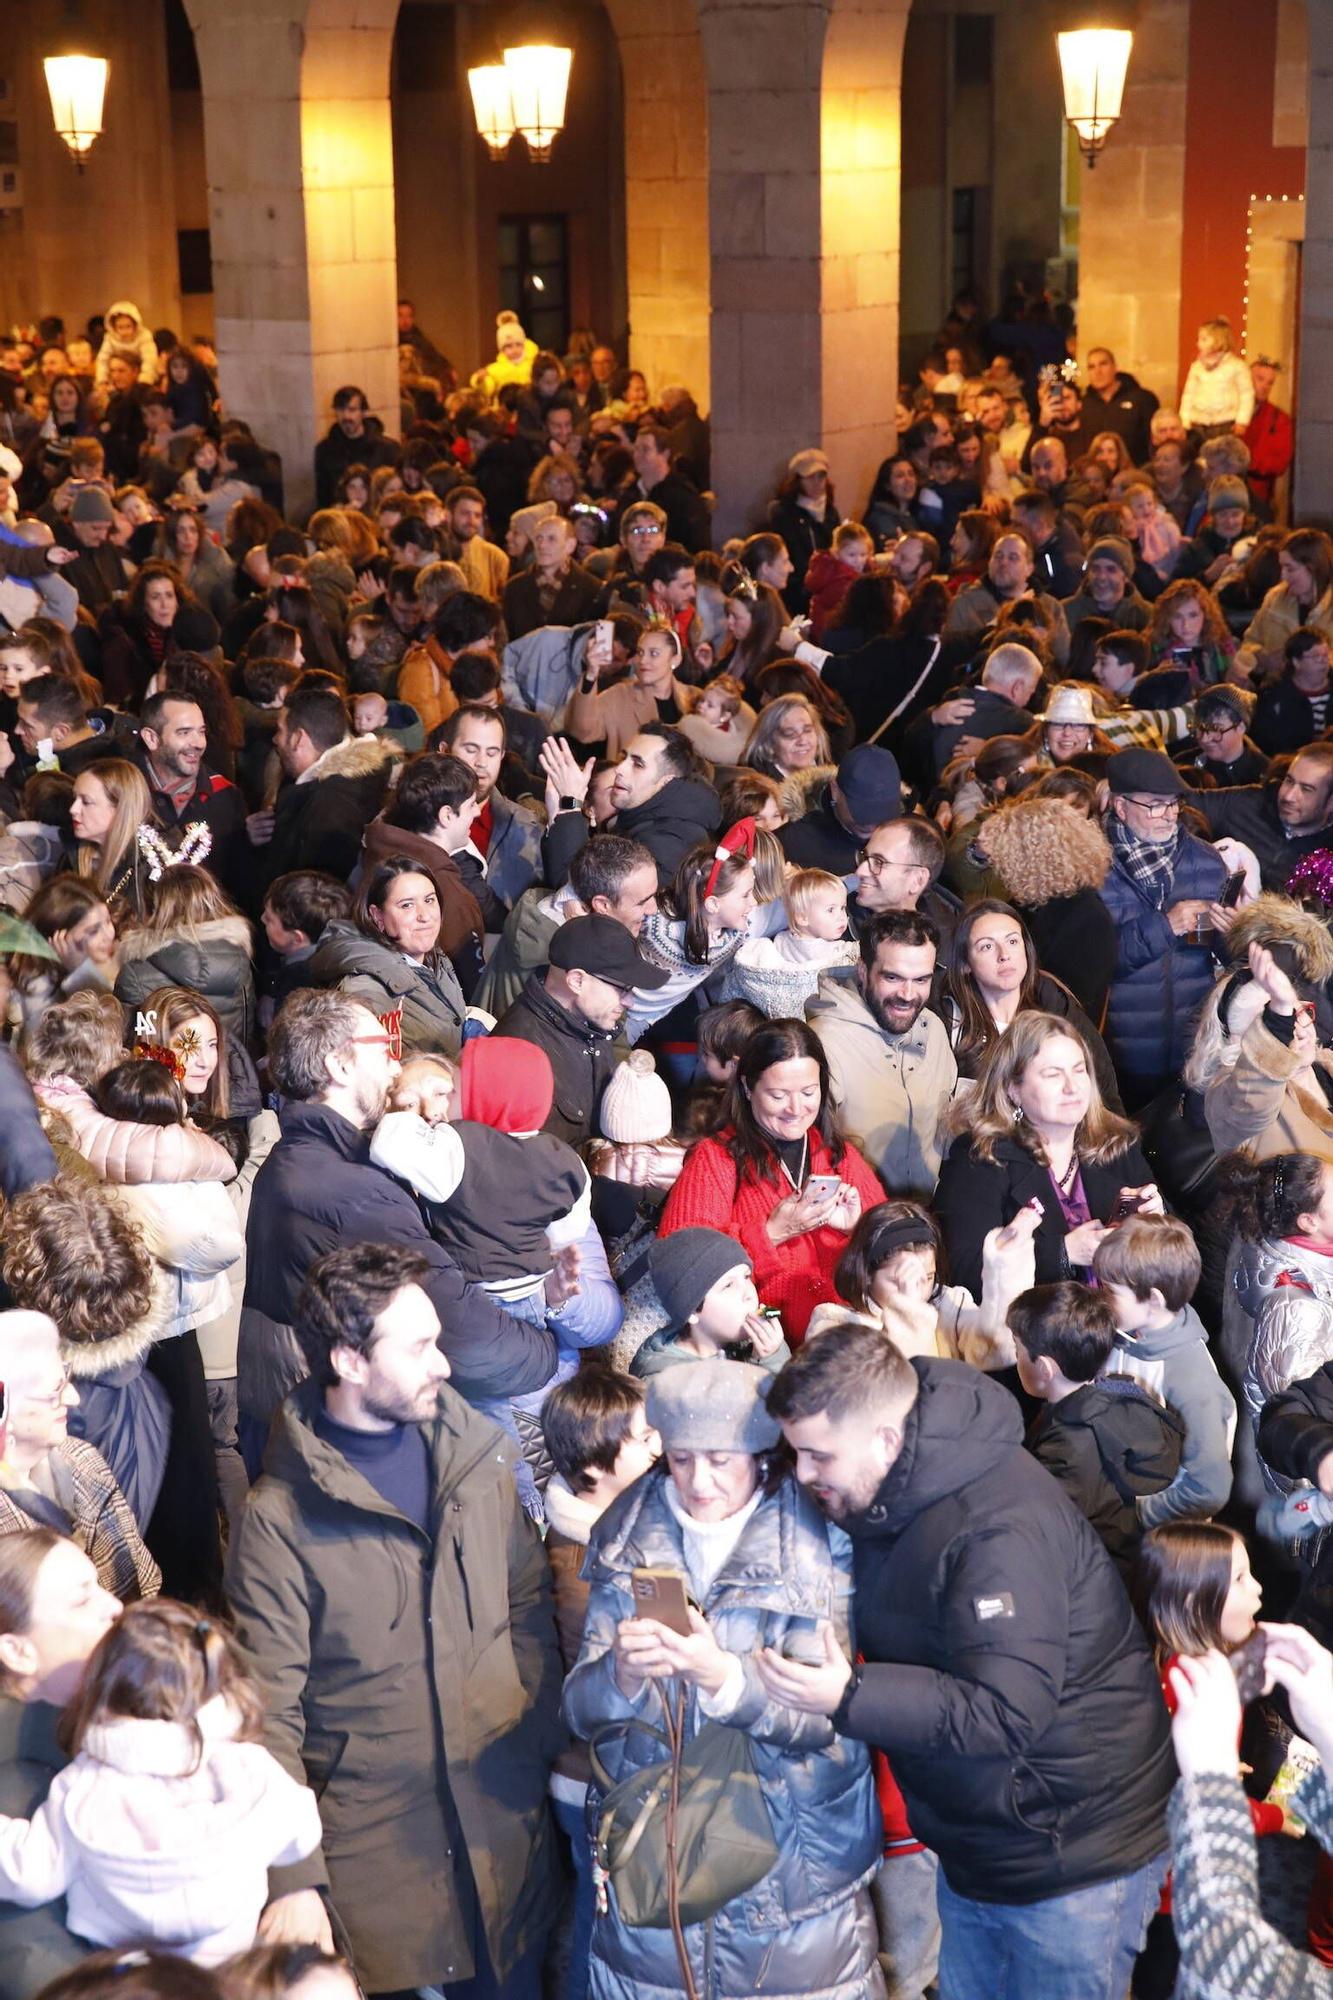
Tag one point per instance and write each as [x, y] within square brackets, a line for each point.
[1107, 1442]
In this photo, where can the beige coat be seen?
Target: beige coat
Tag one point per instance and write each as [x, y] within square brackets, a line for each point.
[1275, 621]
[618, 713]
[1256, 1105]
[485, 567]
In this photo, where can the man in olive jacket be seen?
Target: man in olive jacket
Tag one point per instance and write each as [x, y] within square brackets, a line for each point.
[395, 1606]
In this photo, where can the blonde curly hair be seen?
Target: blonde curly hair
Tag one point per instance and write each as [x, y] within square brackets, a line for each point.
[1043, 848]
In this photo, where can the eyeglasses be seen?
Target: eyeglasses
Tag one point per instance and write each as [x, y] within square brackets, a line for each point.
[876, 863]
[1154, 808]
[1213, 732]
[643, 528]
[370, 1041]
[53, 1401]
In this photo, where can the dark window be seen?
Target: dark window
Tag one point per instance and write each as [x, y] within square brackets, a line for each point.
[423, 49]
[964, 245]
[534, 276]
[182, 57]
[972, 42]
[194, 258]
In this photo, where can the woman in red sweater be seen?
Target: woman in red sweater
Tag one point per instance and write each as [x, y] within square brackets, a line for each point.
[777, 1177]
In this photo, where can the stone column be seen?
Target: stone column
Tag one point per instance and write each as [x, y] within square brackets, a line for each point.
[1131, 221]
[666, 191]
[1313, 498]
[299, 152]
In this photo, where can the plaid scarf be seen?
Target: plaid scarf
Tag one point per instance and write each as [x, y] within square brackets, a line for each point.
[1149, 864]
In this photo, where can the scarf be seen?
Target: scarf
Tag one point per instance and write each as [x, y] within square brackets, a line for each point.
[1149, 864]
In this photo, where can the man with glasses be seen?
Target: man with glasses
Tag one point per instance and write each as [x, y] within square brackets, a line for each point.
[899, 869]
[1225, 755]
[1161, 891]
[333, 1062]
[57, 1481]
[573, 1010]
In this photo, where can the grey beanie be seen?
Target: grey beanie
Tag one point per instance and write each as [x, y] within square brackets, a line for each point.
[687, 1264]
[712, 1406]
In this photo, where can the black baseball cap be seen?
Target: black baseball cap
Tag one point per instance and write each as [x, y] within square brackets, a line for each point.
[605, 948]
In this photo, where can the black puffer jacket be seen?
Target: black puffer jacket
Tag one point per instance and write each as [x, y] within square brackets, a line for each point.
[214, 959]
[582, 1058]
[1012, 1686]
[686, 810]
[1295, 1436]
[319, 824]
[1107, 1444]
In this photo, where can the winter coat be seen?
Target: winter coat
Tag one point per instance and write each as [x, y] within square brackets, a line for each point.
[579, 597]
[802, 1929]
[193, 1232]
[122, 1410]
[1052, 998]
[827, 582]
[132, 1155]
[1132, 614]
[1109, 1445]
[461, 924]
[85, 1503]
[1248, 813]
[336, 452]
[977, 1195]
[485, 566]
[163, 1832]
[976, 609]
[140, 347]
[804, 533]
[403, 1673]
[317, 1191]
[26, 1156]
[1255, 1103]
[214, 960]
[1295, 1435]
[319, 824]
[1128, 411]
[685, 811]
[891, 1092]
[523, 948]
[570, 1520]
[35, 1945]
[1277, 618]
[1287, 1289]
[794, 1276]
[217, 802]
[540, 671]
[1283, 718]
[513, 856]
[381, 978]
[619, 713]
[423, 682]
[1011, 1686]
[582, 1059]
[1160, 981]
[1172, 1364]
[220, 1339]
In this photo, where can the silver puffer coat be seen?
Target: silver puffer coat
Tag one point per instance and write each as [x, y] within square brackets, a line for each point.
[1287, 1291]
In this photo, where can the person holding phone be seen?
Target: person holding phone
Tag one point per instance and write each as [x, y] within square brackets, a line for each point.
[777, 1177]
[1257, 1057]
[719, 1532]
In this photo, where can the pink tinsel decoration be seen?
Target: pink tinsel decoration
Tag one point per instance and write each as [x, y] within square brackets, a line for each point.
[1314, 877]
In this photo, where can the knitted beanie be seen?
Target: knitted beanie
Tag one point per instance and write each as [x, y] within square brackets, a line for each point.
[687, 1264]
[636, 1104]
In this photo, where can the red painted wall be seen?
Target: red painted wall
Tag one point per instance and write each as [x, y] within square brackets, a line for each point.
[1229, 155]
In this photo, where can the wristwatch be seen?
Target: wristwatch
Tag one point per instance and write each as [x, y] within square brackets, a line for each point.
[839, 1715]
[570, 804]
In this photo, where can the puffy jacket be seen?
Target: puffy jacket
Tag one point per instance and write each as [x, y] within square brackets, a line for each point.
[319, 824]
[193, 1232]
[25, 1155]
[1160, 983]
[412, 1680]
[317, 1191]
[513, 857]
[1283, 718]
[541, 670]
[461, 925]
[1277, 618]
[1287, 1290]
[582, 1059]
[374, 973]
[214, 960]
[788, 1570]
[1109, 1444]
[1295, 1434]
[132, 1155]
[891, 1092]
[1012, 1686]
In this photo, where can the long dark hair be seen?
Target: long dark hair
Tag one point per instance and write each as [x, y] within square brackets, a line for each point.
[1262, 1198]
[976, 1029]
[777, 1041]
[884, 1230]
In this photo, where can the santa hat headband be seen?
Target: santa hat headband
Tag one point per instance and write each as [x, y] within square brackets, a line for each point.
[737, 840]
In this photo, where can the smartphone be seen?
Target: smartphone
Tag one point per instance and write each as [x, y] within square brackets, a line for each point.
[1126, 1204]
[822, 1187]
[604, 637]
[1232, 889]
[661, 1594]
[1247, 1664]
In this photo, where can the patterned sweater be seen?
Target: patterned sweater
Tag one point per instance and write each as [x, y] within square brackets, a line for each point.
[1227, 1950]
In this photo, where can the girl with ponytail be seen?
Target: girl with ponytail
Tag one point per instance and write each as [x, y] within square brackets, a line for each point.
[170, 1814]
[707, 916]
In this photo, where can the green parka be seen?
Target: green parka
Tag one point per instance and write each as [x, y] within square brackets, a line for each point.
[414, 1683]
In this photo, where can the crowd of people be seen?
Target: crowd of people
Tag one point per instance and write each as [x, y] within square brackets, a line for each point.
[667, 1248]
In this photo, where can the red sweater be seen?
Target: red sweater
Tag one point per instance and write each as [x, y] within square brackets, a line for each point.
[795, 1276]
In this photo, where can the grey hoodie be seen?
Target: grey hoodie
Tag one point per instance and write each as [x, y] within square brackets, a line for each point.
[1173, 1364]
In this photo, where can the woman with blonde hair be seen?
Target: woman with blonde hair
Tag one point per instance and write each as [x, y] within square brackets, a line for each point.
[193, 937]
[1109, 449]
[1050, 860]
[1036, 1131]
[557, 478]
[345, 532]
[111, 802]
[1303, 596]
